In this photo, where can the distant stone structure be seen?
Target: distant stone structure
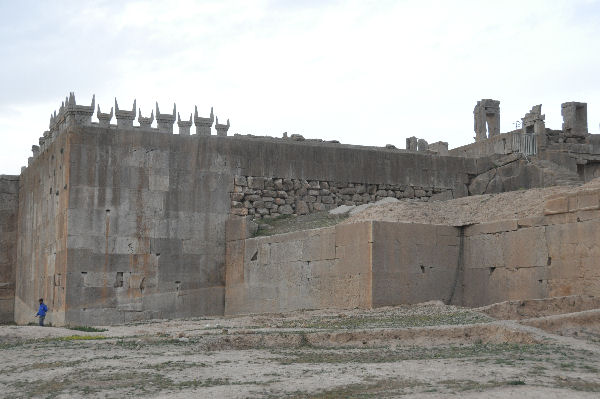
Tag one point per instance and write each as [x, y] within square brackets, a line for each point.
[533, 121]
[113, 223]
[487, 119]
[574, 119]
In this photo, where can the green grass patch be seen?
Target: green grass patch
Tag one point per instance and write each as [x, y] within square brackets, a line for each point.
[87, 329]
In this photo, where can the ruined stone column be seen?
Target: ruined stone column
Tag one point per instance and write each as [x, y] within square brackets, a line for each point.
[165, 121]
[124, 118]
[221, 129]
[533, 121]
[184, 126]
[104, 119]
[203, 125]
[145, 123]
[574, 119]
[422, 145]
[486, 119]
[412, 143]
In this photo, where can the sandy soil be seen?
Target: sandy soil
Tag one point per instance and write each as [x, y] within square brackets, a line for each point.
[422, 351]
[470, 210]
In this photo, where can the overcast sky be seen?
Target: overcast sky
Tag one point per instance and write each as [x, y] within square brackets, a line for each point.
[361, 72]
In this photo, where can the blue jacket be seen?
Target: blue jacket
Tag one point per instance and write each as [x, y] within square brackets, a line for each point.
[43, 309]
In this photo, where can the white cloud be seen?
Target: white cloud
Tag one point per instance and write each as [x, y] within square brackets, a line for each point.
[362, 72]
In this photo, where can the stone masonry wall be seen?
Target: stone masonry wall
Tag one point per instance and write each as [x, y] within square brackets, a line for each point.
[557, 254]
[310, 269]
[9, 207]
[264, 197]
[42, 229]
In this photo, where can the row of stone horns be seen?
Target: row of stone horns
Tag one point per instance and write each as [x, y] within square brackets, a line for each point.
[164, 121]
[70, 111]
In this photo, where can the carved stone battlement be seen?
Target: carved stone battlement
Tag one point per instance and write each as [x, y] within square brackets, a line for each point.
[145, 123]
[184, 126]
[221, 129]
[71, 113]
[203, 125]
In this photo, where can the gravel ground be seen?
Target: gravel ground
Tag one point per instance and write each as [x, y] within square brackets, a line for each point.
[422, 351]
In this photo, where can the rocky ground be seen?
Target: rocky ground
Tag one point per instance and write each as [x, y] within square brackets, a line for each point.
[469, 210]
[524, 349]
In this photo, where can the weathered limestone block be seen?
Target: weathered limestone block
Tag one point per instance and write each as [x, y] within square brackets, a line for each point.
[237, 196]
[240, 181]
[256, 182]
[301, 208]
[574, 119]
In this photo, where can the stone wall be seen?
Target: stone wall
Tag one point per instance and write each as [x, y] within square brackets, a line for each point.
[554, 255]
[366, 264]
[413, 263]
[402, 263]
[42, 225]
[271, 197]
[146, 236]
[311, 269]
[135, 225]
[9, 207]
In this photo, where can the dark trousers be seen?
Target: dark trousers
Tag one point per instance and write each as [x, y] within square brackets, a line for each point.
[42, 320]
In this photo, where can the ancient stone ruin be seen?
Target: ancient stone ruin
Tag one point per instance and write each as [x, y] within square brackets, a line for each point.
[114, 222]
[487, 119]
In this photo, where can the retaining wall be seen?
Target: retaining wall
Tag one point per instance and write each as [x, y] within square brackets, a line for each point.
[557, 254]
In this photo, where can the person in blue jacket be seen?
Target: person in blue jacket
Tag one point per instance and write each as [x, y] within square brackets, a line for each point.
[42, 312]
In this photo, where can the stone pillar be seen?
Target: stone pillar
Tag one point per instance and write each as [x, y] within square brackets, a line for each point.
[203, 125]
[574, 119]
[104, 119]
[35, 150]
[486, 119]
[221, 129]
[533, 121]
[184, 126]
[145, 123]
[412, 143]
[124, 118]
[422, 145]
[165, 121]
